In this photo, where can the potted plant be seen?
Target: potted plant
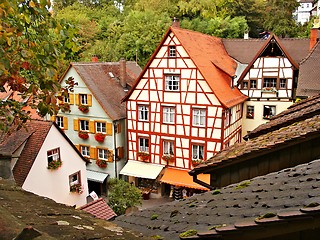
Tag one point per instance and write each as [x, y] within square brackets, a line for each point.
[54, 164]
[77, 188]
[99, 137]
[83, 135]
[168, 157]
[64, 107]
[83, 108]
[101, 163]
[144, 156]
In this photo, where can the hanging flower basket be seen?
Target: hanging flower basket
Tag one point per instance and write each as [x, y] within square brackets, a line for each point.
[99, 137]
[83, 135]
[168, 157]
[54, 164]
[101, 163]
[144, 156]
[83, 108]
[77, 188]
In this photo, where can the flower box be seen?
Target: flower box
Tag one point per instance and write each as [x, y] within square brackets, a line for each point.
[83, 135]
[77, 188]
[269, 89]
[54, 164]
[64, 107]
[144, 156]
[168, 158]
[101, 163]
[84, 108]
[196, 162]
[99, 137]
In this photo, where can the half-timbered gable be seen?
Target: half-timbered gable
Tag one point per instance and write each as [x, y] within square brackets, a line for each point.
[183, 107]
[270, 81]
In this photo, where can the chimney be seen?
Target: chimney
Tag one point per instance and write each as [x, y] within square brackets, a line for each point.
[315, 33]
[123, 72]
[95, 59]
[175, 22]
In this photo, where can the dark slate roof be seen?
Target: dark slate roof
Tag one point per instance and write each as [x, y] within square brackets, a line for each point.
[106, 89]
[244, 50]
[100, 209]
[24, 210]
[309, 80]
[235, 209]
[296, 112]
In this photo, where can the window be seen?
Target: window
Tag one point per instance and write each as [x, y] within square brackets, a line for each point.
[168, 114]
[283, 83]
[66, 98]
[103, 154]
[172, 51]
[269, 111]
[83, 99]
[84, 125]
[250, 112]
[172, 83]
[85, 151]
[198, 117]
[143, 144]
[75, 183]
[168, 148]
[270, 82]
[59, 121]
[227, 117]
[245, 84]
[143, 112]
[197, 152]
[100, 127]
[53, 157]
[253, 83]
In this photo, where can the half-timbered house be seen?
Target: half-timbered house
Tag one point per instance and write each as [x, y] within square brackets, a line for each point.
[183, 108]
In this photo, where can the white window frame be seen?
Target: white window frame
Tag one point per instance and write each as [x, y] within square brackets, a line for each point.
[59, 121]
[253, 84]
[168, 147]
[143, 144]
[199, 117]
[250, 112]
[53, 155]
[197, 152]
[172, 51]
[83, 99]
[75, 179]
[84, 125]
[272, 111]
[283, 83]
[101, 127]
[85, 151]
[270, 82]
[168, 114]
[66, 99]
[102, 154]
[143, 112]
[172, 82]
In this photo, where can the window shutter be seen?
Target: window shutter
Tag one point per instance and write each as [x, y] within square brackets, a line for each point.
[65, 123]
[93, 153]
[71, 98]
[76, 124]
[91, 127]
[77, 99]
[120, 152]
[89, 96]
[53, 118]
[110, 158]
[109, 128]
[119, 128]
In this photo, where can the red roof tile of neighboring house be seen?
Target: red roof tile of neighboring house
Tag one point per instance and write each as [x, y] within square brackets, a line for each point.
[107, 89]
[212, 60]
[308, 80]
[100, 209]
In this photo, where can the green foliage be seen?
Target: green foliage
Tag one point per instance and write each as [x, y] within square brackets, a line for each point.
[154, 216]
[243, 185]
[123, 195]
[33, 48]
[188, 233]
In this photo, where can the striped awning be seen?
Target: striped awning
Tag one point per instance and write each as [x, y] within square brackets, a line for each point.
[96, 176]
[141, 169]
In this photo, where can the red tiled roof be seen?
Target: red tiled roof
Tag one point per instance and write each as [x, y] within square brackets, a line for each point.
[308, 80]
[212, 60]
[106, 89]
[100, 209]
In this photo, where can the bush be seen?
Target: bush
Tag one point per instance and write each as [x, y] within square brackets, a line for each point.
[123, 195]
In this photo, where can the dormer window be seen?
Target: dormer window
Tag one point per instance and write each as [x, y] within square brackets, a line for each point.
[172, 51]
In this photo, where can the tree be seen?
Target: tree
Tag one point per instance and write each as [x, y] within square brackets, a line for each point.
[33, 46]
[123, 195]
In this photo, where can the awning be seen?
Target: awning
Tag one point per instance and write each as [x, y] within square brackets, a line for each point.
[182, 178]
[96, 176]
[141, 169]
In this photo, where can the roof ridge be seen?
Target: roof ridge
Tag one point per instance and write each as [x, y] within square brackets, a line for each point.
[310, 53]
